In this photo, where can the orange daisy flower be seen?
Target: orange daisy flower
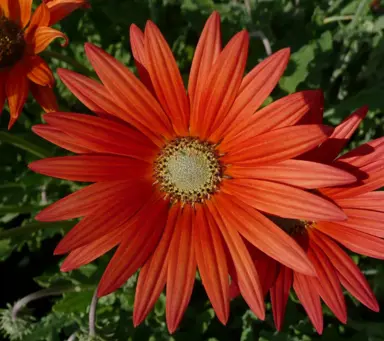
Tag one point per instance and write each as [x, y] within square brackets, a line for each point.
[181, 178]
[362, 232]
[22, 38]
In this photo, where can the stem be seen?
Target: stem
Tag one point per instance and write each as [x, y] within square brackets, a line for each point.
[24, 144]
[69, 60]
[33, 227]
[337, 18]
[92, 315]
[72, 337]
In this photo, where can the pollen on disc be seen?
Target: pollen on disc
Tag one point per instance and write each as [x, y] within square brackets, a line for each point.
[188, 170]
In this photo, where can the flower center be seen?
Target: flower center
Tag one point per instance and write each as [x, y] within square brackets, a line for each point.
[188, 170]
[292, 226]
[12, 43]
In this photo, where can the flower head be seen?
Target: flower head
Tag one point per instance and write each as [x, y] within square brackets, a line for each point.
[182, 178]
[22, 37]
[362, 232]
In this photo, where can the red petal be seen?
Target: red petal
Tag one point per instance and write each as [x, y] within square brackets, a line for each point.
[280, 294]
[138, 51]
[44, 36]
[263, 234]
[282, 200]
[267, 268]
[212, 265]
[59, 9]
[354, 240]
[327, 283]
[86, 254]
[207, 50]
[166, 78]
[20, 11]
[59, 138]
[45, 96]
[82, 202]
[368, 201]
[107, 215]
[153, 274]
[255, 88]
[221, 86]
[349, 274]
[309, 298]
[16, 89]
[181, 268]
[332, 147]
[246, 276]
[91, 168]
[370, 222]
[90, 92]
[282, 113]
[138, 245]
[104, 136]
[298, 173]
[277, 145]
[140, 108]
[39, 72]
[40, 17]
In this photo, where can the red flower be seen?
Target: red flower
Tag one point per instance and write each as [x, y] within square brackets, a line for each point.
[362, 232]
[180, 179]
[22, 38]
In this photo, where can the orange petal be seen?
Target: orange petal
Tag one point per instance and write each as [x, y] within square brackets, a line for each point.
[45, 96]
[181, 268]
[86, 254]
[104, 136]
[81, 202]
[333, 146]
[298, 173]
[91, 93]
[349, 274]
[40, 17]
[59, 138]
[16, 90]
[277, 145]
[221, 86]
[370, 222]
[246, 276]
[263, 234]
[39, 72]
[4, 9]
[267, 268]
[166, 78]
[20, 11]
[212, 265]
[327, 283]
[140, 108]
[354, 240]
[153, 274]
[282, 200]
[368, 201]
[138, 51]
[279, 295]
[207, 50]
[375, 180]
[59, 9]
[106, 216]
[91, 168]
[137, 246]
[254, 90]
[309, 298]
[44, 36]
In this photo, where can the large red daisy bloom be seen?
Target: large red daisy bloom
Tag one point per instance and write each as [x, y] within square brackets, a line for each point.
[180, 179]
[22, 37]
[362, 232]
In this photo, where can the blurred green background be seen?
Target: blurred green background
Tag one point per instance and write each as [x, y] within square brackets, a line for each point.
[336, 45]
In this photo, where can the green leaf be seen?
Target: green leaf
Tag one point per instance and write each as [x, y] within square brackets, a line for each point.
[74, 302]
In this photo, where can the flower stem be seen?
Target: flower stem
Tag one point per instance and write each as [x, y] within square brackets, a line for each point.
[337, 18]
[92, 315]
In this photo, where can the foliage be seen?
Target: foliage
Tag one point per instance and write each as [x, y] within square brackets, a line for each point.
[336, 45]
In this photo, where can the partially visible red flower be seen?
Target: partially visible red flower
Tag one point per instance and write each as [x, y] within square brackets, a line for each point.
[22, 38]
[362, 232]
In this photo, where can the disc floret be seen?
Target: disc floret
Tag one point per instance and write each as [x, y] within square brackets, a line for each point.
[12, 43]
